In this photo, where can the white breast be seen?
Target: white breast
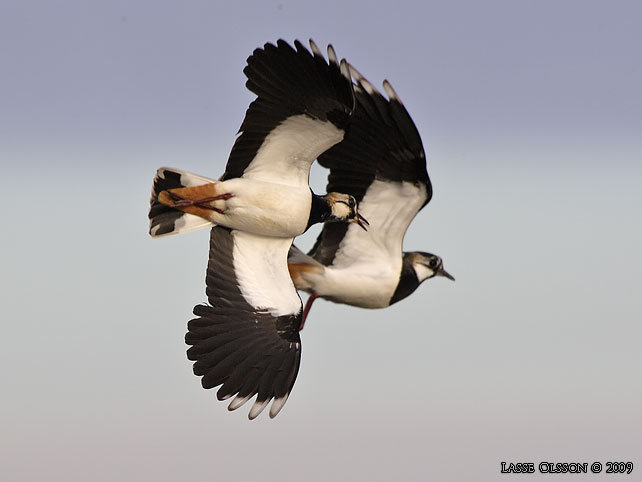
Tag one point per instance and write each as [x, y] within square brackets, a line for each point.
[366, 286]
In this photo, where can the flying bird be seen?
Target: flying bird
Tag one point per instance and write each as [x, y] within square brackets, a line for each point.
[382, 163]
[303, 107]
[247, 338]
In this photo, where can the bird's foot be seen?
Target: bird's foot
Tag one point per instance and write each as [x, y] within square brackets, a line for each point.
[306, 310]
[181, 202]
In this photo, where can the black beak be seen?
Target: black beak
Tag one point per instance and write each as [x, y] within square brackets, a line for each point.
[361, 221]
[445, 274]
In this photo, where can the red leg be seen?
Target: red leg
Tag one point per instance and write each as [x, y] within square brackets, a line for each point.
[308, 305]
[180, 202]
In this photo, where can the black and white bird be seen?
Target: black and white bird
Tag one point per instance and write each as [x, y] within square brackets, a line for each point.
[382, 163]
[247, 338]
[303, 107]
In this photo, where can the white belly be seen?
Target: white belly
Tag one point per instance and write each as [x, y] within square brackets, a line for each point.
[263, 208]
[372, 289]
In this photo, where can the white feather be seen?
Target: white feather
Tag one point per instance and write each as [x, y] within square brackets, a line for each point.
[277, 405]
[389, 207]
[260, 265]
[290, 149]
[332, 55]
[315, 49]
[423, 272]
[238, 402]
[392, 94]
[366, 269]
[257, 408]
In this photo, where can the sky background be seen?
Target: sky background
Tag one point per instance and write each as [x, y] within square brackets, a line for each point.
[531, 115]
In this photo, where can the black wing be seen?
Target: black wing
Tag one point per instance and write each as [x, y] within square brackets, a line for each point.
[382, 144]
[247, 350]
[290, 83]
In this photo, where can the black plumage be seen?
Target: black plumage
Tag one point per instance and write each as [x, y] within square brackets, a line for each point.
[382, 143]
[245, 350]
[289, 82]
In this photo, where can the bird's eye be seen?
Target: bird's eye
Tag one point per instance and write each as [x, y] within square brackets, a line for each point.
[434, 262]
[351, 202]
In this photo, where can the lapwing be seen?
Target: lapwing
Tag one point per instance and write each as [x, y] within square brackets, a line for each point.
[382, 163]
[303, 107]
[246, 339]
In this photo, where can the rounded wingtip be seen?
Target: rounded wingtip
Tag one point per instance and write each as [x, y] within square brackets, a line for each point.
[355, 73]
[277, 405]
[363, 82]
[238, 402]
[315, 49]
[345, 69]
[257, 408]
[390, 92]
[332, 55]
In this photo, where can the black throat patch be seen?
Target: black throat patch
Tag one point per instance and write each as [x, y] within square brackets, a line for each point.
[408, 281]
[319, 210]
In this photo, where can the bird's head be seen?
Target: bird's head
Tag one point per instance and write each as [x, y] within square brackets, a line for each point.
[343, 208]
[427, 265]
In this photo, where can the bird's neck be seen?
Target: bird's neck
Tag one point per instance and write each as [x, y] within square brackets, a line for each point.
[408, 281]
[320, 210]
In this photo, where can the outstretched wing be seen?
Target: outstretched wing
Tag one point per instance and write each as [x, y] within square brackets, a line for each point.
[247, 338]
[302, 108]
[382, 163]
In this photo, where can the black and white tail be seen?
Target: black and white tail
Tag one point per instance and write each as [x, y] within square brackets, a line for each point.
[165, 220]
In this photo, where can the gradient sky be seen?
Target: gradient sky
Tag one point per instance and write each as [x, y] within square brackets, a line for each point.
[531, 114]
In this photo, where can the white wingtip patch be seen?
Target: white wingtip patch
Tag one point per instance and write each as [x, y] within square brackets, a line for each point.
[238, 402]
[392, 95]
[345, 70]
[363, 82]
[332, 55]
[257, 408]
[315, 49]
[355, 73]
[277, 405]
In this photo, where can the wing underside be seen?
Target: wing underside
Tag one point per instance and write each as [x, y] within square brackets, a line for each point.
[302, 108]
[247, 339]
[382, 163]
